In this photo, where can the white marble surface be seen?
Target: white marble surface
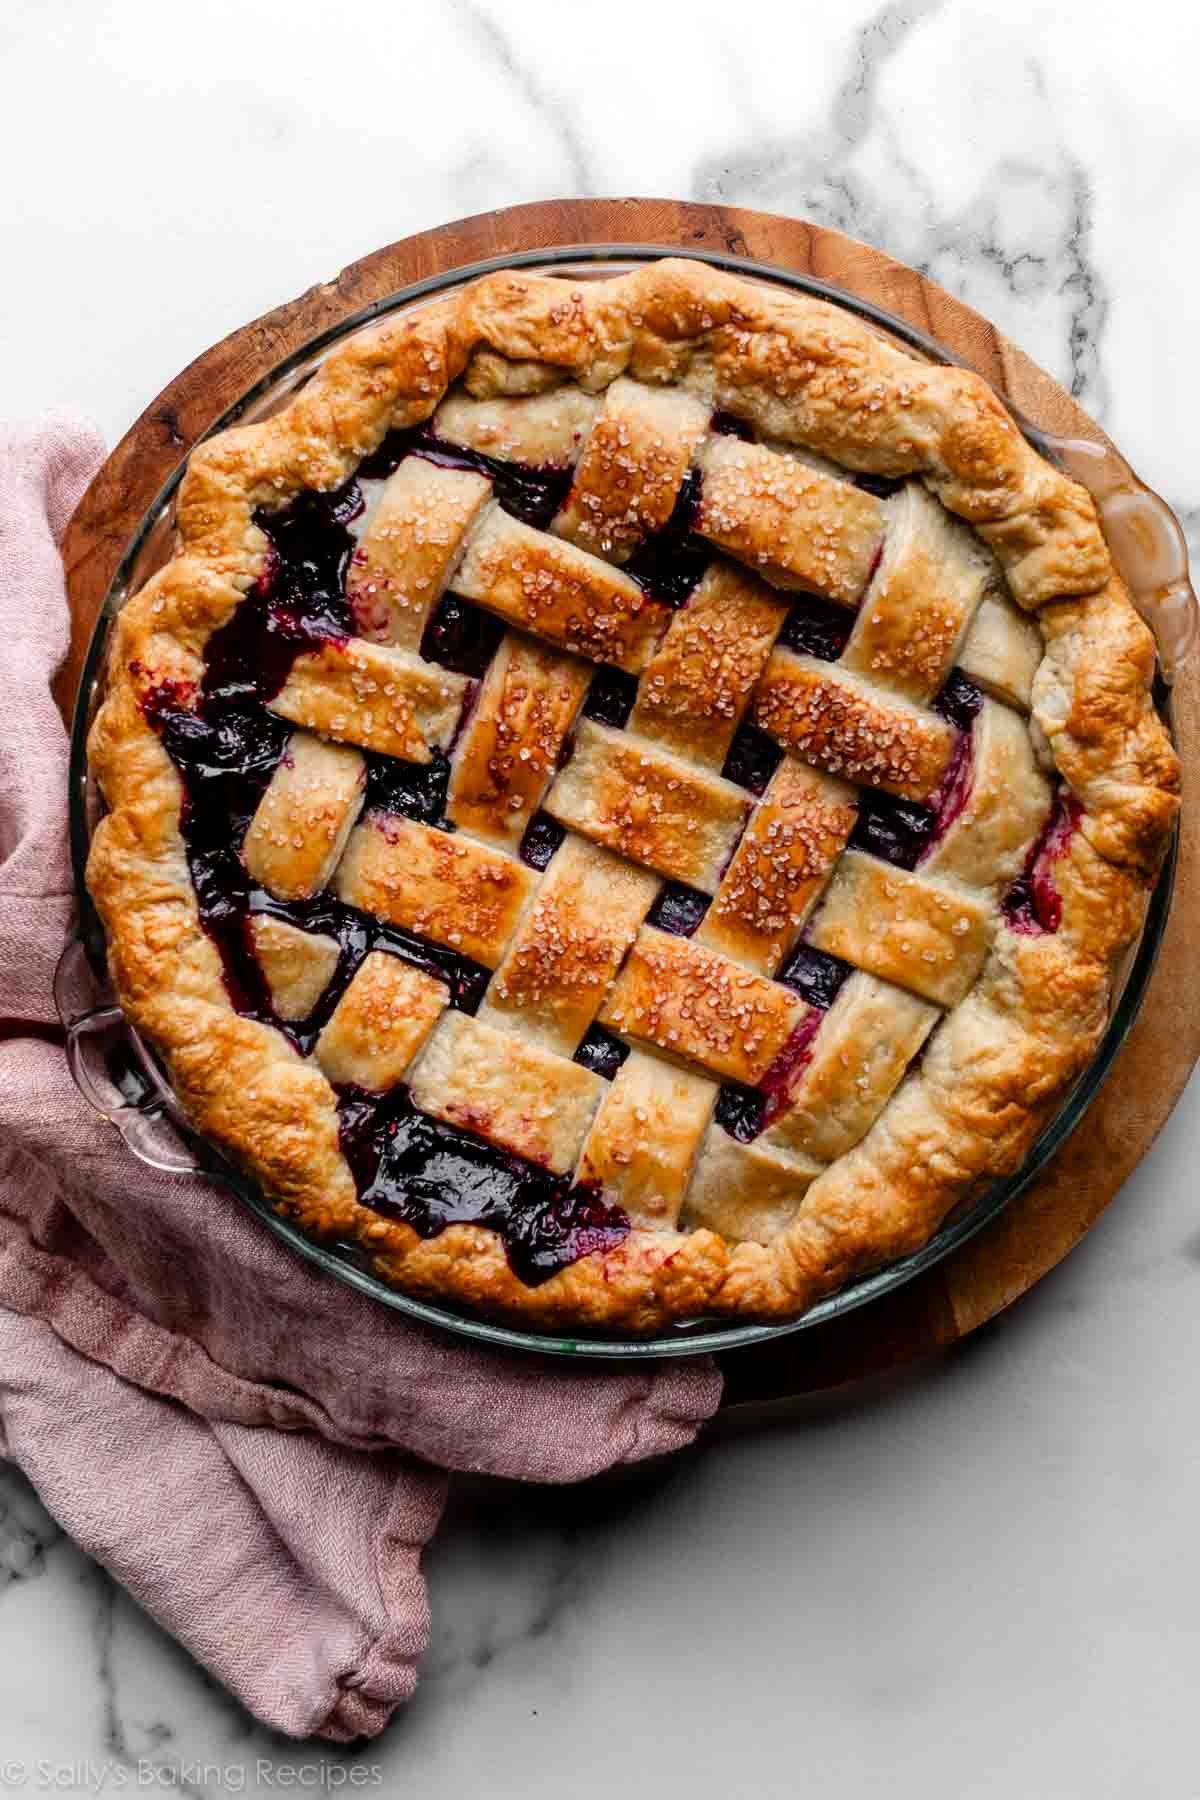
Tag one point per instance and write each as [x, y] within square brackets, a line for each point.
[984, 1582]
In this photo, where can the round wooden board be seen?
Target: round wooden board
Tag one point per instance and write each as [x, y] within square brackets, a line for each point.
[1037, 1230]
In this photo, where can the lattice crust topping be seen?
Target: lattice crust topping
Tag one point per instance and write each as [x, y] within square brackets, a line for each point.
[798, 528]
[696, 1004]
[624, 792]
[661, 779]
[506, 1089]
[569, 946]
[780, 868]
[297, 835]
[297, 965]
[513, 739]
[632, 469]
[1002, 649]
[921, 598]
[854, 1066]
[747, 1192]
[409, 548]
[380, 1023]
[924, 937]
[447, 888]
[844, 725]
[696, 686]
[643, 1142]
[556, 591]
[544, 431]
[1004, 799]
[376, 697]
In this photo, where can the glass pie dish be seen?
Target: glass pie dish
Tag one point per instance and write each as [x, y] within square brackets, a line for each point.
[119, 1074]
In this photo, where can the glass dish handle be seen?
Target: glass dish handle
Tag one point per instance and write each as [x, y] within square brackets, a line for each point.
[1147, 544]
[95, 1028]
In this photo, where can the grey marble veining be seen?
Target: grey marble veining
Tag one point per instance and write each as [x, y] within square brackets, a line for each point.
[984, 1581]
[1026, 226]
[27, 1531]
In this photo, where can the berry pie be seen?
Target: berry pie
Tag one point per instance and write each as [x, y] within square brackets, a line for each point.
[626, 799]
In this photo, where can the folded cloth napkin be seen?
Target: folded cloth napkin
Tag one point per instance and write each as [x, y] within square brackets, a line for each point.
[258, 1453]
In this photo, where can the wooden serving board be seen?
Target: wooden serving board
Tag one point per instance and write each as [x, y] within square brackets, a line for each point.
[1036, 1231]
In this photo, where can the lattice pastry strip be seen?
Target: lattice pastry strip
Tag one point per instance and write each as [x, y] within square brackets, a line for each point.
[632, 468]
[796, 527]
[920, 600]
[373, 695]
[297, 965]
[409, 548]
[627, 793]
[746, 1191]
[644, 1138]
[510, 746]
[781, 866]
[300, 827]
[442, 885]
[1004, 805]
[541, 431]
[696, 686]
[849, 728]
[855, 1063]
[380, 1022]
[924, 937]
[556, 591]
[507, 1090]
[569, 946]
[1003, 648]
[698, 1005]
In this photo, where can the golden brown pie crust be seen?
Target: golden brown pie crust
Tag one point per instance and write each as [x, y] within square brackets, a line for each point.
[803, 374]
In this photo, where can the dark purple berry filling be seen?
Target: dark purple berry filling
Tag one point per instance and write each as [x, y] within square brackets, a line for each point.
[727, 424]
[739, 1111]
[815, 975]
[904, 831]
[744, 1111]
[671, 561]
[418, 790]
[225, 745]
[610, 697]
[816, 627]
[678, 909]
[960, 701]
[899, 831]
[227, 751]
[296, 605]
[543, 835]
[427, 1174]
[753, 759]
[882, 486]
[1033, 903]
[357, 933]
[528, 493]
[601, 1052]
[461, 637]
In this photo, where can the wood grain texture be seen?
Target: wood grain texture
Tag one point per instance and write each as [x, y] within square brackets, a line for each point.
[1036, 1231]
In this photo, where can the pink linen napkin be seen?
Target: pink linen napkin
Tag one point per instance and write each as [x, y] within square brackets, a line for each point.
[257, 1452]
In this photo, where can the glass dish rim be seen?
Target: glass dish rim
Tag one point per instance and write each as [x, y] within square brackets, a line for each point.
[686, 1340]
